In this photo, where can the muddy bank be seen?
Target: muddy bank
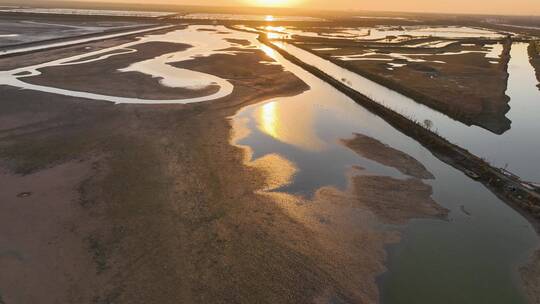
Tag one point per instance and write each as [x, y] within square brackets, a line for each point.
[393, 200]
[534, 57]
[397, 201]
[346, 224]
[467, 87]
[239, 41]
[383, 154]
[40, 260]
[351, 249]
[530, 275]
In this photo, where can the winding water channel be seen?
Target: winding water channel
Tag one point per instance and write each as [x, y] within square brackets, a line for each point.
[202, 43]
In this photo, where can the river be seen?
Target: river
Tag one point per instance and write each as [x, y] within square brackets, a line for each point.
[471, 258]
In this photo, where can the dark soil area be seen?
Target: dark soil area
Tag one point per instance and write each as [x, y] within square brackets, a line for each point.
[377, 151]
[467, 87]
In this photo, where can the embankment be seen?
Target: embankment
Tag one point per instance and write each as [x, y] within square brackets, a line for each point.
[534, 57]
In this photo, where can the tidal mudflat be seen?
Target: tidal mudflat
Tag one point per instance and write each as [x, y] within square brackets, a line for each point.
[195, 164]
[16, 30]
[148, 62]
[127, 188]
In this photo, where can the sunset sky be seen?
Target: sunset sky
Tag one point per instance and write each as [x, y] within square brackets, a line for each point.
[528, 7]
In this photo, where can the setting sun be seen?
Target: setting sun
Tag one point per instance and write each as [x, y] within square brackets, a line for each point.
[274, 3]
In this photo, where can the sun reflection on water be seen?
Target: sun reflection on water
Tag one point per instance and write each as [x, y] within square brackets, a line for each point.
[289, 123]
[275, 32]
[269, 119]
[268, 50]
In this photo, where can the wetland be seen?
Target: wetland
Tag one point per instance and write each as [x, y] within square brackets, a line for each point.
[192, 161]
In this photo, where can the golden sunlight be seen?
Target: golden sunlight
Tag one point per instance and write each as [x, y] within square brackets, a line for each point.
[269, 119]
[268, 50]
[273, 2]
[281, 121]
